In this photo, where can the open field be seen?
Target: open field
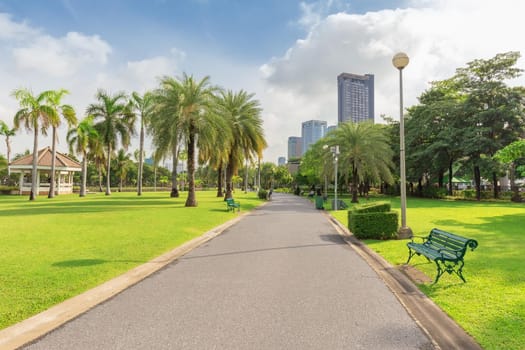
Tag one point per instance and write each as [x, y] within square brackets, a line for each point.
[491, 305]
[53, 249]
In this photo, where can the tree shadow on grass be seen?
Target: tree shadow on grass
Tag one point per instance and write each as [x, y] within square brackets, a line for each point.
[90, 262]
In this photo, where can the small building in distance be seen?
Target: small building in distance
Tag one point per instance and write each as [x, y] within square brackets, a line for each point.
[65, 168]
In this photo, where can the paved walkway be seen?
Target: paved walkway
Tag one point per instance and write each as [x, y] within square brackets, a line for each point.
[281, 278]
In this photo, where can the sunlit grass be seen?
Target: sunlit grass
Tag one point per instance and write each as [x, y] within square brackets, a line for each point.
[491, 305]
[53, 249]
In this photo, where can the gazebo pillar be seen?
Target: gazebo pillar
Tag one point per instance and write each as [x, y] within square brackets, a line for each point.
[59, 178]
[21, 182]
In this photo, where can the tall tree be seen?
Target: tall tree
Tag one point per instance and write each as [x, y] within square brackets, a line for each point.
[197, 117]
[79, 139]
[509, 155]
[7, 132]
[364, 152]
[68, 113]
[114, 123]
[493, 110]
[164, 125]
[143, 107]
[243, 114]
[123, 164]
[36, 116]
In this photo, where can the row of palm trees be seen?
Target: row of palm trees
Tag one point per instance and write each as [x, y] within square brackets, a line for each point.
[181, 115]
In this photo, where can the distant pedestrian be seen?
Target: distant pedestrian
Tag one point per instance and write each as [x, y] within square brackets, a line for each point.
[270, 194]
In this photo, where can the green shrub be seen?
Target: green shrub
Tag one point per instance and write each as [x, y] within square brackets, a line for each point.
[7, 189]
[373, 225]
[262, 194]
[374, 207]
[433, 192]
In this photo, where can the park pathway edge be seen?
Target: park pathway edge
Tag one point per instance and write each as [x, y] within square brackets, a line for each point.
[444, 332]
[36, 326]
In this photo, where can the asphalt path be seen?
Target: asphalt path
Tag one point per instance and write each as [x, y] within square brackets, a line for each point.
[281, 278]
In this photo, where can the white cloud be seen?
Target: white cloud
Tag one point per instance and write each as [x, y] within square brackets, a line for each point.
[438, 35]
[61, 57]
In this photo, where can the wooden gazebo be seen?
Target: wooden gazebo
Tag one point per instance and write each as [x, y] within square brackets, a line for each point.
[65, 168]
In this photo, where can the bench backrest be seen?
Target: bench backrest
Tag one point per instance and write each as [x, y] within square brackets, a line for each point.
[230, 201]
[439, 239]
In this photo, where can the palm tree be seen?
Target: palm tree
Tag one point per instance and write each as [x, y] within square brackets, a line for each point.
[123, 164]
[197, 117]
[165, 126]
[35, 115]
[364, 152]
[143, 106]
[79, 139]
[243, 115]
[7, 132]
[54, 99]
[114, 122]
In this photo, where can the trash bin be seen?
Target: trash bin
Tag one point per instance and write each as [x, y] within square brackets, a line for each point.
[319, 203]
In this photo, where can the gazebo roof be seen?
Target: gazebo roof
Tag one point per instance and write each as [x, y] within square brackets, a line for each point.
[62, 162]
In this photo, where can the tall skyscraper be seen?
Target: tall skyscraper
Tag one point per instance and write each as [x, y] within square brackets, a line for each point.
[295, 147]
[311, 132]
[355, 97]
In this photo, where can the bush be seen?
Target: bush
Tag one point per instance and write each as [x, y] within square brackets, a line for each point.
[262, 194]
[375, 207]
[433, 192]
[379, 225]
[7, 189]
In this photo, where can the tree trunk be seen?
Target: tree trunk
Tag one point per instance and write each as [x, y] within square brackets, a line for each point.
[495, 185]
[99, 166]
[450, 178]
[174, 184]
[219, 180]
[141, 159]
[191, 201]
[8, 145]
[477, 181]
[229, 176]
[34, 172]
[516, 197]
[441, 178]
[51, 193]
[108, 177]
[354, 186]
[84, 176]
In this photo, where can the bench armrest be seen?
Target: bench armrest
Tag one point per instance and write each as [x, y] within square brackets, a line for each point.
[423, 238]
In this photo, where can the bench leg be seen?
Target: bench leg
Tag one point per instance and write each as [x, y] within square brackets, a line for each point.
[410, 254]
[440, 272]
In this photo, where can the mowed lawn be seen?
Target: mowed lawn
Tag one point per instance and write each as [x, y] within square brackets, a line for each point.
[491, 305]
[53, 249]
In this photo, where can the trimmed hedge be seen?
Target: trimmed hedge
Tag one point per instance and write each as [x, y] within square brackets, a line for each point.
[374, 225]
[376, 207]
[373, 221]
[262, 194]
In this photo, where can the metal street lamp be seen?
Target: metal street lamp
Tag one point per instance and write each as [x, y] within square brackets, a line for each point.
[400, 61]
[335, 154]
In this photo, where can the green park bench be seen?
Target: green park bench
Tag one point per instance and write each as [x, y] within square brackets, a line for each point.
[445, 249]
[231, 205]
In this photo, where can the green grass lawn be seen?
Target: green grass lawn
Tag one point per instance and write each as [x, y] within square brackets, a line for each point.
[53, 249]
[491, 305]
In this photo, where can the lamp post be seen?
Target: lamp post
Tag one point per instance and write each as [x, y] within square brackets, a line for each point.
[335, 154]
[400, 61]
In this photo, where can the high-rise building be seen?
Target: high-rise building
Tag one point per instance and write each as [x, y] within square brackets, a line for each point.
[281, 161]
[311, 132]
[355, 97]
[295, 147]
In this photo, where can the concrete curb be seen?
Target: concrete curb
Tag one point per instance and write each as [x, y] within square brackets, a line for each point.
[442, 330]
[37, 326]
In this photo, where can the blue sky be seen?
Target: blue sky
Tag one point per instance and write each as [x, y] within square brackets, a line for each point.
[288, 53]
